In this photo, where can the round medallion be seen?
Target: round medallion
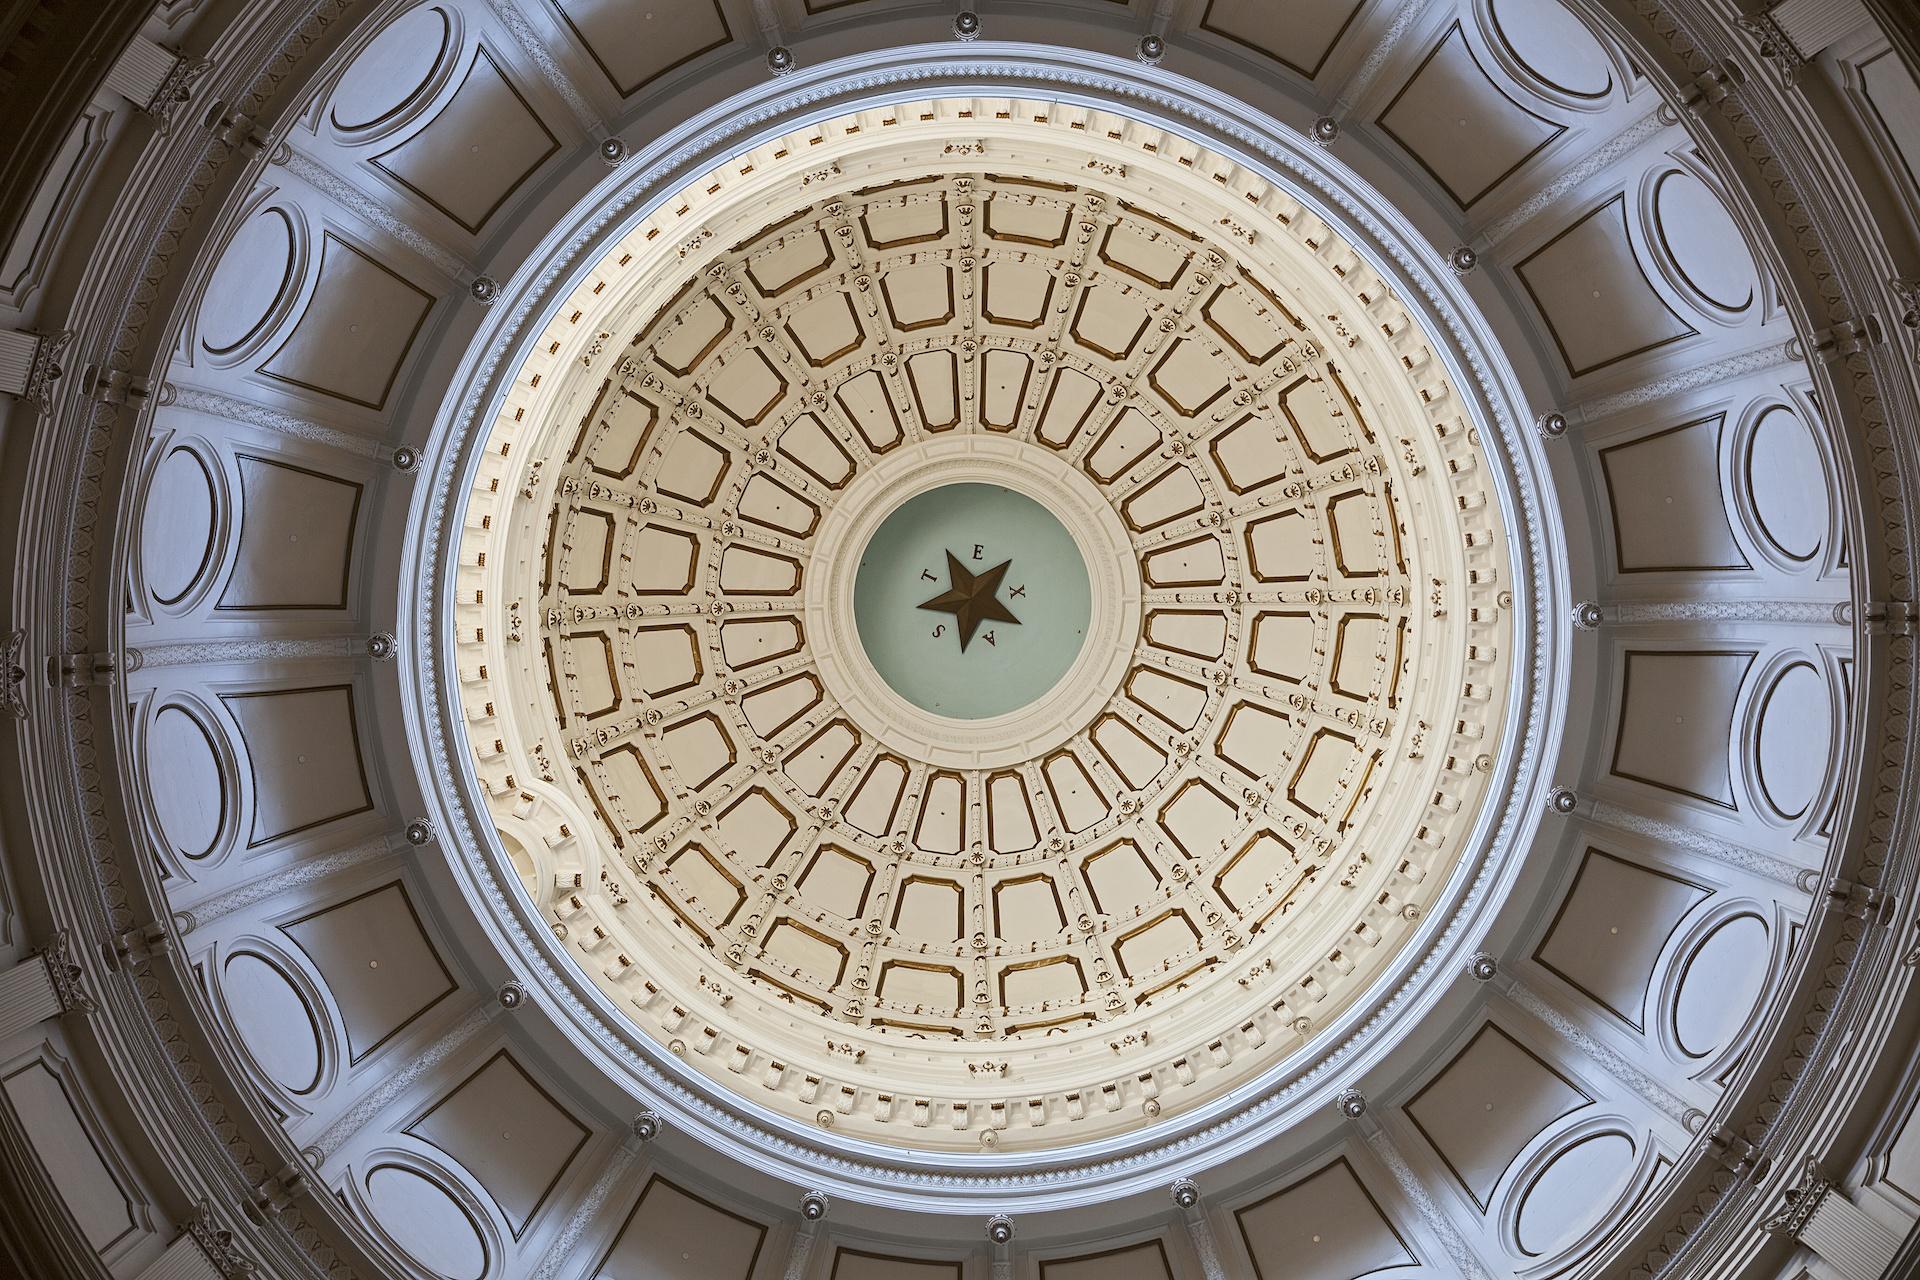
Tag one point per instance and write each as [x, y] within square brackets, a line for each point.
[887, 610]
[971, 600]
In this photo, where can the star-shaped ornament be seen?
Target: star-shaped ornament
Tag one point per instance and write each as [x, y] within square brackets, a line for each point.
[972, 598]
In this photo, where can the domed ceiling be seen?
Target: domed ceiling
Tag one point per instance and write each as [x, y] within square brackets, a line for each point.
[1267, 723]
[842, 640]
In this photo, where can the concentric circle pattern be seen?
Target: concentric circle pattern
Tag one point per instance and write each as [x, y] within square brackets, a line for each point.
[1121, 641]
[842, 915]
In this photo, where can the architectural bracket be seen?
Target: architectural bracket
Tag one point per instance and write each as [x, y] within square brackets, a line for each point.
[65, 974]
[216, 1242]
[30, 362]
[78, 670]
[13, 676]
[1892, 617]
[1775, 45]
[1712, 85]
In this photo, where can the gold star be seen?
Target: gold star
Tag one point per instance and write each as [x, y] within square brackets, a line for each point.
[970, 598]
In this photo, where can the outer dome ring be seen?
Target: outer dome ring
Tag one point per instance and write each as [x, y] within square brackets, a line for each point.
[1236, 1121]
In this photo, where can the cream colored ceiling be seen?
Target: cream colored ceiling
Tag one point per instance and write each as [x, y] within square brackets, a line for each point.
[1239, 833]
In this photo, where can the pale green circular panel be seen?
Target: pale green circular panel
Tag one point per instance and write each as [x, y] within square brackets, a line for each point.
[1005, 665]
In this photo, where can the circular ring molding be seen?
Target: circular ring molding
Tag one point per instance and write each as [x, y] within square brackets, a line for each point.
[1295, 402]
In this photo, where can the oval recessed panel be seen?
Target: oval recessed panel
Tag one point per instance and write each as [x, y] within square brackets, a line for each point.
[392, 70]
[254, 274]
[1718, 984]
[273, 1021]
[1554, 45]
[1787, 484]
[427, 1223]
[1792, 750]
[184, 778]
[176, 526]
[1703, 241]
[1573, 1192]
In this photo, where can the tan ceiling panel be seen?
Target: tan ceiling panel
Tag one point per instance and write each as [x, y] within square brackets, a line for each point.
[1611, 929]
[1668, 510]
[672, 1234]
[634, 44]
[1327, 1226]
[509, 1132]
[1486, 1105]
[1134, 1262]
[379, 967]
[40, 1101]
[360, 321]
[296, 543]
[1466, 131]
[477, 152]
[303, 758]
[1676, 720]
[1594, 294]
[1301, 36]
[852, 1264]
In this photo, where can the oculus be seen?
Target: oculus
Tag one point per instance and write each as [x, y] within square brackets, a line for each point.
[942, 586]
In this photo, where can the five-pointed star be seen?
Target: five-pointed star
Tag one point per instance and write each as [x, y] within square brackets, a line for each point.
[970, 598]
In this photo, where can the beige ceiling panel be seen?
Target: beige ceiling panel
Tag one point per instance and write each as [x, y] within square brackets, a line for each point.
[625, 425]
[811, 447]
[1260, 866]
[1199, 818]
[663, 561]
[477, 152]
[373, 954]
[837, 881]
[1130, 753]
[692, 334]
[1284, 645]
[1611, 929]
[1676, 720]
[509, 1132]
[297, 529]
[631, 788]
[1070, 402]
[1249, 454]
[745, 643]
[1327, 1226]
[941, 826]
[1486, 1105]
[303, 758]
[757, 828]
[1121, 878]
[750, 572]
